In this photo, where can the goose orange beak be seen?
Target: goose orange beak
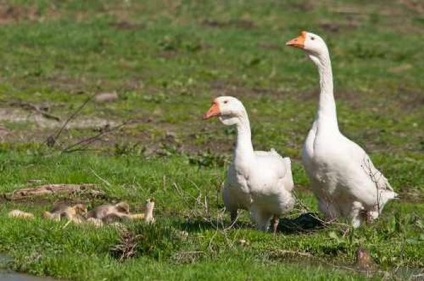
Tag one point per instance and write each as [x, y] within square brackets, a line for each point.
[213, 111]
[298, 42]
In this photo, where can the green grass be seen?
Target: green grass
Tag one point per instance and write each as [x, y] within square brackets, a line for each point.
[167, 60]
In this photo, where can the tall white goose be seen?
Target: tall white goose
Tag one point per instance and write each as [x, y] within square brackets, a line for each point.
[258, 181]
[343, 178]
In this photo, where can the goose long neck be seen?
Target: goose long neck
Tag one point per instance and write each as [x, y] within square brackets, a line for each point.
[244, 148]
[327, 113]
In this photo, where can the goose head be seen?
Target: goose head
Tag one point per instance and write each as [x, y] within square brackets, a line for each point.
[228, 109]
[312, 44]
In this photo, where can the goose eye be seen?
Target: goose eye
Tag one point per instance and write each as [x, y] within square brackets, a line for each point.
[225, 102]
[312, 38]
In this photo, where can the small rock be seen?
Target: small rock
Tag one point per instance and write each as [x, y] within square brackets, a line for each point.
[106, 97]
[243, 242]
[364, 260]
[3, 132]
[170, 136]
[183, 235]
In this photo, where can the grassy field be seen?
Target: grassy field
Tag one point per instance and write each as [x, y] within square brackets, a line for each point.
[166, 60]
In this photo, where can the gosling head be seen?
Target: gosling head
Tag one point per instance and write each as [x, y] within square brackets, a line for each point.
[123, 207]
[80, 209]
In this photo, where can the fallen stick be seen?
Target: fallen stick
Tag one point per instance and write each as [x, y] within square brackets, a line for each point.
[49, 189]
[36, 108]
[82, 144]
[51, 140]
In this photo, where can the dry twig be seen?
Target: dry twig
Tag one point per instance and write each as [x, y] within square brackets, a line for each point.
[49, 189]
[36, 108]
[84, 143]
[51, 140]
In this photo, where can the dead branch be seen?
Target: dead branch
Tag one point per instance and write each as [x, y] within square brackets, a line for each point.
[284, 253]
[84, 143]
[36, 108]
[304, 208]
[49, 189]
[52, 139]
[127, 245]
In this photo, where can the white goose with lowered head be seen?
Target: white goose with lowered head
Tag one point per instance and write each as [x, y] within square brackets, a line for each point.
[343, 178]
[258, 181]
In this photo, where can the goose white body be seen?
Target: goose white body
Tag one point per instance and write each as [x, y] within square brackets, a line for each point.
[343, 177]
[258, 181]
[261, 185]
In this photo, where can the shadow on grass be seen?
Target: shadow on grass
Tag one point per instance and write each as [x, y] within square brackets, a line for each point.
[201, 224]
[308, 222]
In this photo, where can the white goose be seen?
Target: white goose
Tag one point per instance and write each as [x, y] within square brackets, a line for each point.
[258, 181]
[343, 178]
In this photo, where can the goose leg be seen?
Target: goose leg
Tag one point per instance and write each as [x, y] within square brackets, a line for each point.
[275, 221]
[327, 209]
[261, 219]
[355, 214]
[233, 216]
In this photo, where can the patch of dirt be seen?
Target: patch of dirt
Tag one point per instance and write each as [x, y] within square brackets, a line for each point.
[119, 10]
[394, 13]
[414, 5]
[359, 11]
[3, 132]
[220, 88]
[237, 23]
[192, 139]
[67, 84]
[14, 115]
[303, 6]
[409, 100]
[126, 25]
[336, 27]
[15, 13]
[29, 126]
[12, 14]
